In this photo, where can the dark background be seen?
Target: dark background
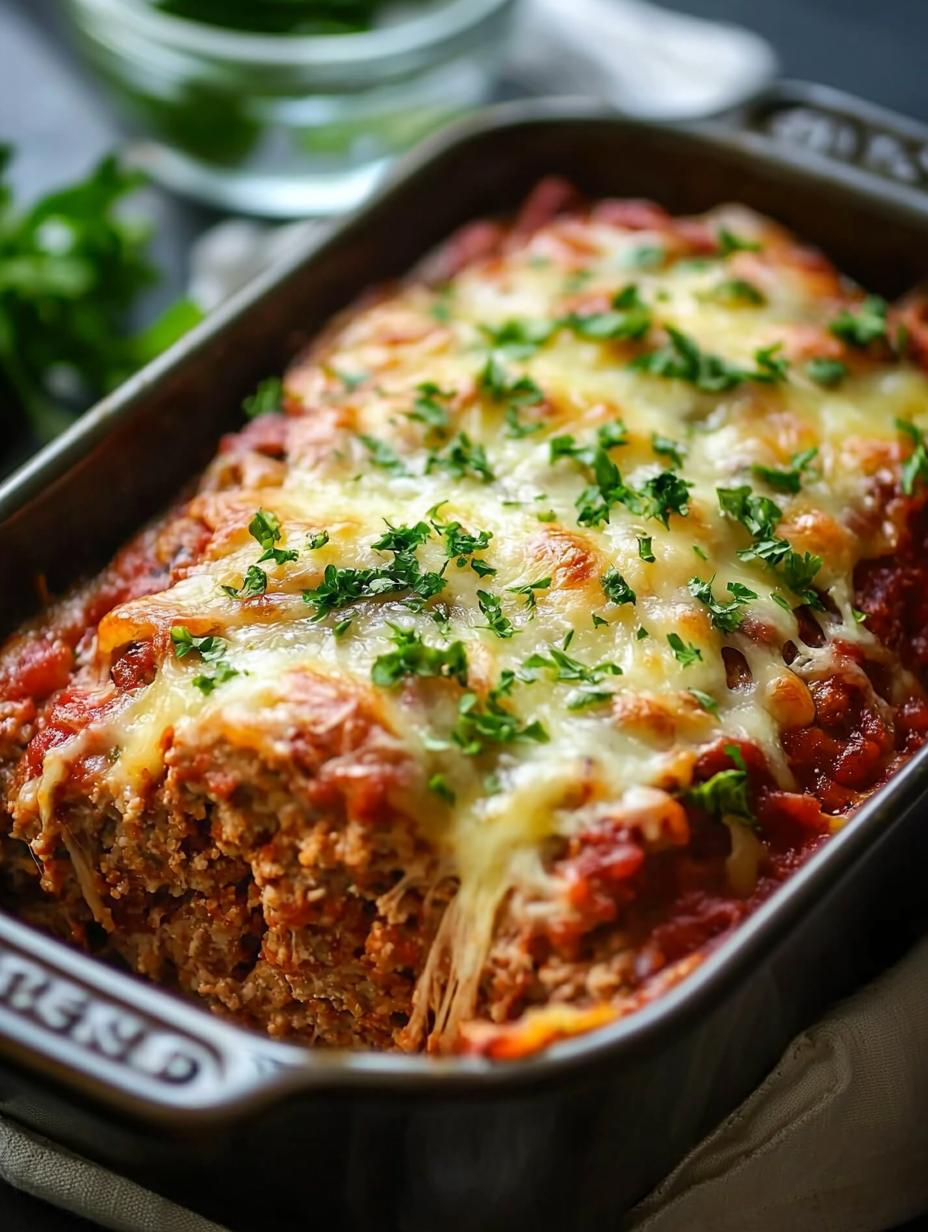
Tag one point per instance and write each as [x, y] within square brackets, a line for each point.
[52, 114]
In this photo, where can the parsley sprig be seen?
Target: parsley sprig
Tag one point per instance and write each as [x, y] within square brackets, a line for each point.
[461, 459]
[211, 649]
[787, 479]
[725, 795]
[860, 326]
[915, 467]
[726, 617]
[760, 516]
[562, 668]
[413, 657]
[628, 318]
[683, 359]
[480, 724]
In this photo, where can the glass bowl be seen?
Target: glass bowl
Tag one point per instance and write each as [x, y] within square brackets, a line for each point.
[286, 125]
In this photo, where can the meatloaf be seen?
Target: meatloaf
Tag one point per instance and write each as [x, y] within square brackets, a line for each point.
[543, 618]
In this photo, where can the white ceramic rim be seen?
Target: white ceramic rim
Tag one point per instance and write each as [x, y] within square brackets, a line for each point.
[213, 42]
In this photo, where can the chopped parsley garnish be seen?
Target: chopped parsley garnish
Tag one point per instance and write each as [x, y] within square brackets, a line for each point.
[658, 497]
[401, 539]
[383, 455]
[683, 359]
[628, 318]
[684, 652]
[829, 373]
[429, 407]
[547, 515]
[915, 467]
[608, 436]
[860, 327]
[663, 495]
[781, 601]
[265, 528]
[758, 514]
[725, 795]
[726, 617]
[859, 616]
[460, 459]
[413, 657]
[698, 551]
[254, 583]
[664, 447]
[477, 726]
[460, 546]
[706, 701]
[266, 400]
[787, 479]
[732, 292]
[641, 633]
[516, 393]
[730, 243]
[341, 587]
[529, 591]
[317, 540]
[497, 383]
[615, 587]
[562, 668]
[644, 257]
[211, 649]
[519, 338]
[645, 550]
[492, 608]
[439, 785]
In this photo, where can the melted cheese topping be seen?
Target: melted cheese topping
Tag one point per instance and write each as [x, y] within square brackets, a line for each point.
[652, 722]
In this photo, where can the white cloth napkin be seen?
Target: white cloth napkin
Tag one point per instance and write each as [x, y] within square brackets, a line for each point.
[835, 1140]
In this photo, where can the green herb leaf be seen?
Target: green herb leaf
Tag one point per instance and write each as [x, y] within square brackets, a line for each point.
[664, 447]
[519, 338]
[829, 373]
[253, 583]
[383, 455]
[706, 700]
[478, 726]
[862, 325]
[644, 549]
[915, 467]
[629, 318]
[787, 480]
[439, 785]
[726, 617]
[730, 243]
[461, 459]
[413, 657]
[529, 591]
[429, 407]
[684, 652]
[266, 400]
[734, 292]
[615, 587]
[492, 608]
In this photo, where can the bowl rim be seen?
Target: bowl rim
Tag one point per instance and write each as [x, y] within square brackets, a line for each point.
[418, 33]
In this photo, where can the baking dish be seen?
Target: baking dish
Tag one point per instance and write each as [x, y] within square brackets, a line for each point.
[250, 1131]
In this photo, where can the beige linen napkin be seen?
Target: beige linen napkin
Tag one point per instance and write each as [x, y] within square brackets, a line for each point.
[835, 1140]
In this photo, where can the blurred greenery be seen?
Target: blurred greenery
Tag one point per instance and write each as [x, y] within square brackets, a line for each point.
[71, 267]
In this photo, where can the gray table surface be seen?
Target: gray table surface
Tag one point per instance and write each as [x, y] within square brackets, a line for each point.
[59, 125]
